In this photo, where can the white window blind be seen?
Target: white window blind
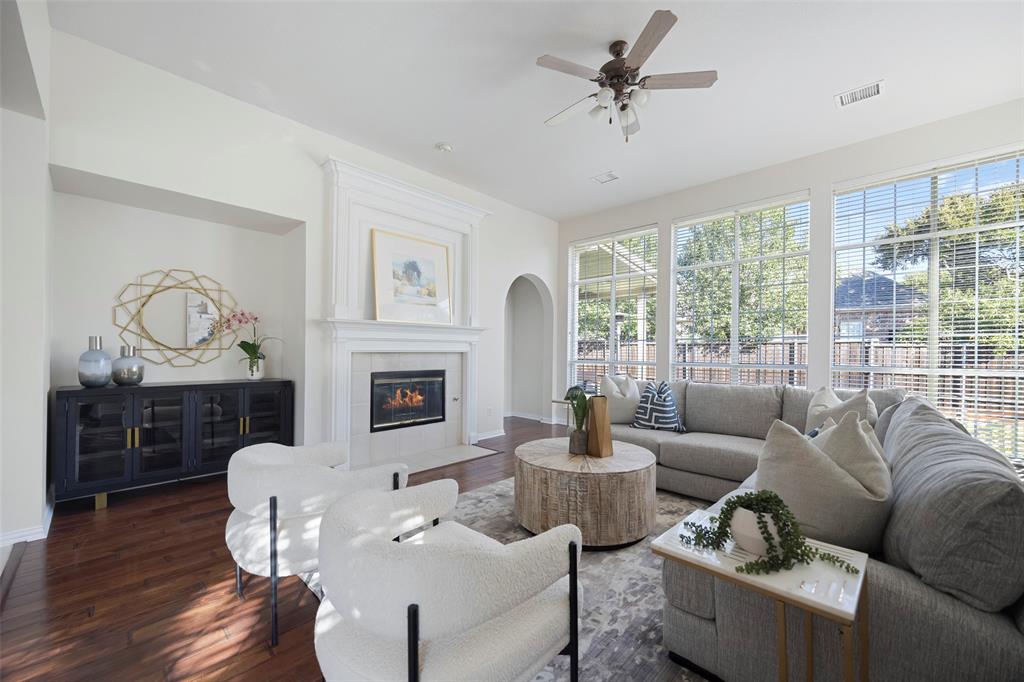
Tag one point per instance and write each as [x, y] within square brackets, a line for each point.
[927, 294]
[740, 297]
[614, 289]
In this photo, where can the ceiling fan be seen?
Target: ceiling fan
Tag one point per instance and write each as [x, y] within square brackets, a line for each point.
[621, 86]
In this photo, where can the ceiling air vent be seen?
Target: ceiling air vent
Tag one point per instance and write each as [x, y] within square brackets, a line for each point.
[605, 178]
[845, 99]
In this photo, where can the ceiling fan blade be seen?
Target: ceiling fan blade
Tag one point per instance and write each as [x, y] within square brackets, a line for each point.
[675, 81]
[571, 68]
[570, 111]
[657, 28]
[629, 121]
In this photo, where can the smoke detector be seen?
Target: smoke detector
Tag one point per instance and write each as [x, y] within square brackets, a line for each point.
[845, 99]
[605, 178]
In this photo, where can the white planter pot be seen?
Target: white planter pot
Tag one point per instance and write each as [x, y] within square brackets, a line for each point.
[254, 371]
[746, 533]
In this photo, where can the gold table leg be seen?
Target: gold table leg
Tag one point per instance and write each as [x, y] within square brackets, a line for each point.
[865, 652]
[847, 631]
[100, 500]
[809, 643]
[780, 637]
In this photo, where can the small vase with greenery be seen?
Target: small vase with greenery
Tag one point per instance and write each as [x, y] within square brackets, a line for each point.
[786, 544]
[578, 403]
[253, 346]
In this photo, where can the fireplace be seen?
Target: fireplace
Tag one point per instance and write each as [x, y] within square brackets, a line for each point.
[407, 398]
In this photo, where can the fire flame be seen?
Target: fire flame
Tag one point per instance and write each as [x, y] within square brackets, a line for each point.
[404, 398]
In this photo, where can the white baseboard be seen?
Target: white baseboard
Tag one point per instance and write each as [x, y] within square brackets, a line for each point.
[27, 534]
[489, 434]
[524, 415]
[34, 532]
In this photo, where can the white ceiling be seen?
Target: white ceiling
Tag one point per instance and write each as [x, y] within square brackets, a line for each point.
[398, 77]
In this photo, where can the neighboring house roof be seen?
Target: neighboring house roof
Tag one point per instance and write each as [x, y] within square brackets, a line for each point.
[872, 290]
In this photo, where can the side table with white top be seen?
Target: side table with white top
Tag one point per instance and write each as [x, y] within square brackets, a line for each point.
[818, 588]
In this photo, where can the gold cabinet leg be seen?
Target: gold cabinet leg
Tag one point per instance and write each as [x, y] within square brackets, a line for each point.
[865, 652]
[809, 643]
[847, 631]
[780, 639]
[100, 500]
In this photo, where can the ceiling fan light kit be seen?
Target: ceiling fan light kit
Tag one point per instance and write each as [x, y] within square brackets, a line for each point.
[619, 79]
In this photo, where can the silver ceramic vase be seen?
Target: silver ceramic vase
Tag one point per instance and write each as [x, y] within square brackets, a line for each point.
[94, 365]
[129, 368]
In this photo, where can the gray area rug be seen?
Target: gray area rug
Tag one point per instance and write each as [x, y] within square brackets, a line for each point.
[620, 618]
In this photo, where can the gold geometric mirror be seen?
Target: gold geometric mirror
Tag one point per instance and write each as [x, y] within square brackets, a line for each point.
[172, 317]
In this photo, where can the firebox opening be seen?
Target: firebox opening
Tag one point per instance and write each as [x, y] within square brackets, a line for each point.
[407, 398]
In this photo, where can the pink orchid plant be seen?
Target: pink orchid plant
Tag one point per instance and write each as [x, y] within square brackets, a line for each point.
[248, 321]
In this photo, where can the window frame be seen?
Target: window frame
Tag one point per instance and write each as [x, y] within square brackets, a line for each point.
[881, 376]
[574, 282]
[735, 264]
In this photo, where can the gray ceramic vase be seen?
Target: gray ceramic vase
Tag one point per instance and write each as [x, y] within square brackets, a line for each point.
[129, 368]
[94, 365]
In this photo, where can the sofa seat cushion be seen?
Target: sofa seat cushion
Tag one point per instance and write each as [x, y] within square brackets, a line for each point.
[734, 410]
[958, 510]
[714, 454]
[645, 438]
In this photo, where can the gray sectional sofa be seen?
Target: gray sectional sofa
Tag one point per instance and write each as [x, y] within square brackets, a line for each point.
[725, 430]
[946, 595]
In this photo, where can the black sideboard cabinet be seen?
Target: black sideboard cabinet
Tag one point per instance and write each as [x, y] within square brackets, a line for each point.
[118, 437]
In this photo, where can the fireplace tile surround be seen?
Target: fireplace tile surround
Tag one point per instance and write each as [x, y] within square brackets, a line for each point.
[380, 447]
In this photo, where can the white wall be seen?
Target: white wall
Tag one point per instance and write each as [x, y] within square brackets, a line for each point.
[25, 345]
[524, 332]
[101, 246]
[118, 117]
[978, 133]
[25, 287]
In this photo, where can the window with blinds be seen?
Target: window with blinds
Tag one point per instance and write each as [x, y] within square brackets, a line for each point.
[614, 289]
[927, 293]
[740, 297]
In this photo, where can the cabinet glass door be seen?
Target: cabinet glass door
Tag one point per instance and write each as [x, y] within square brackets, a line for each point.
[264, 417]
[219, 427]
[101, 440]
[159, 436]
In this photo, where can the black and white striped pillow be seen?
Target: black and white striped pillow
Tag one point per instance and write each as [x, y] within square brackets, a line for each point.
[657, 409]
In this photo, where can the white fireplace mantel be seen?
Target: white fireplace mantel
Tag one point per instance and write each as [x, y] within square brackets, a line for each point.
[350, 336]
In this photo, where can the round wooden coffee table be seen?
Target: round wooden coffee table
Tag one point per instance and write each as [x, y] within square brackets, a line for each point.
[610, 499]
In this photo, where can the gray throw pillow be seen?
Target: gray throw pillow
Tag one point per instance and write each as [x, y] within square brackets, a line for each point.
[825, 403]
[837, 484]
[882, 425]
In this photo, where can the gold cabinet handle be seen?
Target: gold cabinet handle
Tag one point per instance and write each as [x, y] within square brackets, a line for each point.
[137, 439]
[128, 437]
[241, 425]
[248, 425]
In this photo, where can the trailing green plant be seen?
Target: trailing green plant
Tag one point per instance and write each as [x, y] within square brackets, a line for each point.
[578, 402]
[790, 549]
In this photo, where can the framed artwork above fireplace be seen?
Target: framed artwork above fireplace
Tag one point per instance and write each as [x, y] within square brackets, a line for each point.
[411, 278]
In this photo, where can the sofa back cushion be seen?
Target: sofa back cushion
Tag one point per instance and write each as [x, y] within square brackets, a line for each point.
[795, 402]
[957, 519]
[734, 410]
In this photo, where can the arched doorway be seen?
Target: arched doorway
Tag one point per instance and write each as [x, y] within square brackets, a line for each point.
[529, 320]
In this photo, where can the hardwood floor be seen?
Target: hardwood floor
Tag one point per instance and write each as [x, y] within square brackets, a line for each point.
[144, 590]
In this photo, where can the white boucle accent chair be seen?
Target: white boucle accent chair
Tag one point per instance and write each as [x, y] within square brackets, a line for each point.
[446, 603]
[279, 494]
